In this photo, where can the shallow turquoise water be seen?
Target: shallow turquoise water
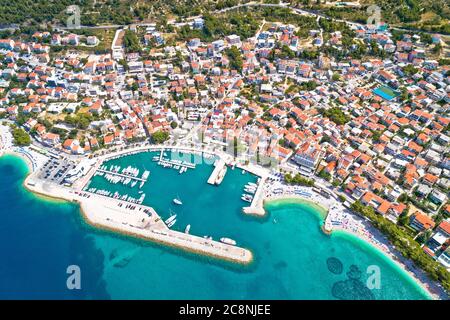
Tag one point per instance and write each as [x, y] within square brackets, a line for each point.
[40, 238]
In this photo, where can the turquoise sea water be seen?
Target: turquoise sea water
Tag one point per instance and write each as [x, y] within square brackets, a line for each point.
[39, 238]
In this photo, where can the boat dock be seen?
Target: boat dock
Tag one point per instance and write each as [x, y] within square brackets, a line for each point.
[122, 175]
[257, 206]
[218, 173]
[173, 163]
[176, 163]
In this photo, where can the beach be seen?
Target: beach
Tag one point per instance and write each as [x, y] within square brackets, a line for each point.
[337, 218]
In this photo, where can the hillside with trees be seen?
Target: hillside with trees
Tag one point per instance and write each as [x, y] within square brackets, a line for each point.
[431, 15]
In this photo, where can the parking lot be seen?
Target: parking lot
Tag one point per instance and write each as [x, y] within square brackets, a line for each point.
[54, 170]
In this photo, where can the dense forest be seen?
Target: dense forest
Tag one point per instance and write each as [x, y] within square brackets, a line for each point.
[105, 11]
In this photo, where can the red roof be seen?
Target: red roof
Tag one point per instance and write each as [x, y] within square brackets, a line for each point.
[445, 226]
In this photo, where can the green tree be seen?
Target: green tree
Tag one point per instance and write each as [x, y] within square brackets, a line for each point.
[160, 136]
[234, 54]
[336, 77]
[336, 115]
[131, 41]
[21, 138]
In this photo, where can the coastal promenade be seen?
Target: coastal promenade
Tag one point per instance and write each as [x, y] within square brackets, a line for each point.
[138, 149]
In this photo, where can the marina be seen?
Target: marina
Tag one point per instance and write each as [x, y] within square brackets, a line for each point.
[114, 178]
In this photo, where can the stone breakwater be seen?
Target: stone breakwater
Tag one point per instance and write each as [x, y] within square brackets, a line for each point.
[141, 221]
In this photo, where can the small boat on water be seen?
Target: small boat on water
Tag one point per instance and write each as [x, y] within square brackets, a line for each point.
[250, 190]
[228, 241]
[177, 201]
[171, 220]
[171, 223]
[243, 171]
[247, 198]
[188, 228]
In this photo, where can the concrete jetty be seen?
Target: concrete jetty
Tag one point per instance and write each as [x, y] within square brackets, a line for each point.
[218, 173]
[257, 205]
[143, 222]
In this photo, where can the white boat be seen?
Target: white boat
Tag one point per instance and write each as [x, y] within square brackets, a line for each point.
[247, 197]
[228, 241]
[188, 227]
[170, 219]
[243, 171]
[250, 190]
[171, 223]
[177, 201]
[145, 174]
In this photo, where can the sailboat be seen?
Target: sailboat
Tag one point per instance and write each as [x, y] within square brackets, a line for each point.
[171, 220]
[177, 201]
